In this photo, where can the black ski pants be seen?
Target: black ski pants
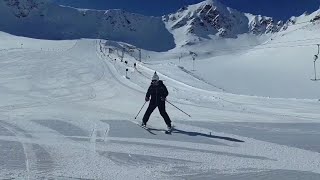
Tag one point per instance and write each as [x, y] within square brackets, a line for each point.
[162, 109]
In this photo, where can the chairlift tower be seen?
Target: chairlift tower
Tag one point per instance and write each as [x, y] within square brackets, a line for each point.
[314, 64]
[193, 61]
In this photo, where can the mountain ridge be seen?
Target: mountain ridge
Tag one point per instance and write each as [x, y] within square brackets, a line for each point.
[207, 20]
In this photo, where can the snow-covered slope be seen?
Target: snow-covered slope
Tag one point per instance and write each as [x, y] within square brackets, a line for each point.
[281, 67]
[253, 44]
[67, 112]
[67, 107]
[45, 20]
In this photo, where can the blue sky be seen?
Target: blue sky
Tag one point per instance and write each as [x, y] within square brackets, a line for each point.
[280, 9]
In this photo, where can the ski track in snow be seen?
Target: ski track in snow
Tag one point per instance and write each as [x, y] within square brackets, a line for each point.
[69, 115]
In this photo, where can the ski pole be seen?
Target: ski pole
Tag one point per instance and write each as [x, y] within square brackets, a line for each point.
[140, 110]
[178, 108]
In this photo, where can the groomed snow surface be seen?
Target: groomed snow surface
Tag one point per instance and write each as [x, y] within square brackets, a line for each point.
[67, 112]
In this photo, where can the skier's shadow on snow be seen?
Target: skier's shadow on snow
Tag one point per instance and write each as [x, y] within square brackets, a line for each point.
[189, 133]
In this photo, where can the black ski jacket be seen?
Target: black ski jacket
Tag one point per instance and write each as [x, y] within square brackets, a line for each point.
[157, 92]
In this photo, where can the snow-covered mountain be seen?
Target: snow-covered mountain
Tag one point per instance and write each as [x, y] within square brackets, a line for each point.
[46, 20]
[70, 109]
[207, 20]
[24, 8]
[212, 18]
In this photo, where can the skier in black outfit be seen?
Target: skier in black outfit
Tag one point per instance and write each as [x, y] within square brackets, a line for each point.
[158, 92]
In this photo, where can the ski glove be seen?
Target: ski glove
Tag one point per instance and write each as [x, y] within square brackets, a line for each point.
[147, 98]
[163, 99]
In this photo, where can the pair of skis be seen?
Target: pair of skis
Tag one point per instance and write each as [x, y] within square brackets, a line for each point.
[150, 131]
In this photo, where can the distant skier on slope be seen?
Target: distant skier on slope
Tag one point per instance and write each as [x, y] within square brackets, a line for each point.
[158, 92]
